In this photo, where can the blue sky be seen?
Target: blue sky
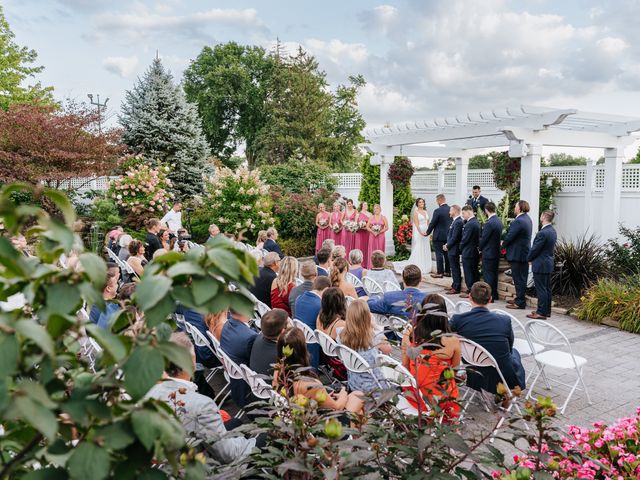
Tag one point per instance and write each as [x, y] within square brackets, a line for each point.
[421, 59]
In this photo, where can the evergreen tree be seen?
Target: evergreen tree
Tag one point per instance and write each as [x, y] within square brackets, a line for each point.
[370, 184]
[161, 125]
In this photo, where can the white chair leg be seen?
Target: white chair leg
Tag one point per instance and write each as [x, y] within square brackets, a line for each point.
[535, 380]
[584, 385]
[566, 402]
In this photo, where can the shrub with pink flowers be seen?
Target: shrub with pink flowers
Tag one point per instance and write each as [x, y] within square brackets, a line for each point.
[142, 192]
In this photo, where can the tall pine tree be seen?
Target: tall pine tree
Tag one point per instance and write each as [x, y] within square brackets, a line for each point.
[161, 125]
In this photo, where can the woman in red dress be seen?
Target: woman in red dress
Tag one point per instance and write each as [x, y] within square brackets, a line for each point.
[335, 224]
[362, 237]
[376, 226]
[322, 222]
[349, 222]
[284, 283]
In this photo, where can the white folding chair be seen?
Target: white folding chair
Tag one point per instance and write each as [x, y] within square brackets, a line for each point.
[451, 306]
[462, 307]
[389, 286]
[309, 334]
[371, 287]
[299, 281]
[349, 300]
[90, 350]
[230, 369]
[561, 357]
[355, 363]
[112, 255]
[258, 386]
[327, 344]
[476, 355]
[199, 340]
[261, 309]
[397, 375]
[392, 323]
[353, 280]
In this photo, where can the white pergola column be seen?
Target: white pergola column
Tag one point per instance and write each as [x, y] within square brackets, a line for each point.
[441, 179]
[462, 173]
[530, 182]
[588, 189]
[386, 201]
[613, 160]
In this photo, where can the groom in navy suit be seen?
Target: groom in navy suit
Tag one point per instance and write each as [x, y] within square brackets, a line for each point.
[518, 243]
[469, 248]
[477, 201]
[439, 225]
[452, 247]
[541, 258]
[490, 248]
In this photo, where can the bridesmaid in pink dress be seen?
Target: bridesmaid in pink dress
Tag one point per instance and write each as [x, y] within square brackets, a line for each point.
[335, 224]
[377, 226]
[348, 237]
[322, 222]
[362, 237]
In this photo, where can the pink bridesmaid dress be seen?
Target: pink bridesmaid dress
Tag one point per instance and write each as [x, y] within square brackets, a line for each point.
[349, 238]
[323, 233]
[362, 240]
[375, 242]
[335, 219]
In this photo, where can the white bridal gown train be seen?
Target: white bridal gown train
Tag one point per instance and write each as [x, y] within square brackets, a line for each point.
[421, 245]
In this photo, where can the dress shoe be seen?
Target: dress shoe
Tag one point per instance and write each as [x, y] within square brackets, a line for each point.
[436, 275]
[451, 291]
[511, 302]
[447, 275]
[513, 306]
[536, 316]
[464, 295]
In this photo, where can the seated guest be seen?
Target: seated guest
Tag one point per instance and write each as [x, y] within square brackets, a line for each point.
[270, 245]
[307, 311]
[324, 261]
[333, 311]
[308, 272]
[109, 291]
[152, 241]
[438, 354]
[378, 273]
[112, 236]
[396, 303]
[262, 237]
[124, 241]
[165, 239]
[328, 244]
[236, 341]
[437, 304]
[308, 385]
[283, 284]
[215, 322]
[262, 284]
[355, 268]
[338, 276]
[214, 231]
[338, 252]
[136, 259]
[264, 352]
[199, 415]
[359, 335]
[494, 332]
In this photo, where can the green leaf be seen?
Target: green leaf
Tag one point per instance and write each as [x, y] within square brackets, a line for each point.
[151, 290]
[37, 334]
[152, 425]
[159, 313]
[95, 268]
[116, 436]
[142, 370]
[62, 298]
[177, 355]
[107, 340]
[59, 234]
[49, 473]
[89, 461]
[9, 354]
[241, 304]
[58, 324]
[63, 203]
[36, 415]
[204, 289]
[225, 261]
[456, 442]
[185, 268]
[37, 393]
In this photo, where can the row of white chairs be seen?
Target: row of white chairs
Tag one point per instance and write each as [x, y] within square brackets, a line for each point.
[372, 287]
[124, 266]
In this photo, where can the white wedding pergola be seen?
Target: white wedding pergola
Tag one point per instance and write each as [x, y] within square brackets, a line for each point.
[524, 131]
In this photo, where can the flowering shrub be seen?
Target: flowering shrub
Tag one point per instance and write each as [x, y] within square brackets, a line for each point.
[142, 192]
[238, 201]
[615, 300]
[625, 256]
[403, 231]
[400, 172]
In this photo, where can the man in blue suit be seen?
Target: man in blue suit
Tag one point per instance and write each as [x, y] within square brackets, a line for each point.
[518, 243]
[396, 303]
[477, 201]
[490, 249]
[469, 248]
[452, 248]
[439, 226]
[494, 332]
[270, 245]
[541, 258]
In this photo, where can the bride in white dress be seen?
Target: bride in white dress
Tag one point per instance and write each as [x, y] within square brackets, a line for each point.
[420, 244]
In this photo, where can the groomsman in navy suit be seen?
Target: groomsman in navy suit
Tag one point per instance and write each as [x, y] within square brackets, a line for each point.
[518, 243]
[490, 248]
[541, 258]
[469, 248]
[439, 225]
[477, 201]
[452, 247]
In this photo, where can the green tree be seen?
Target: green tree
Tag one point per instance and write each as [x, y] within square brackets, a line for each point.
[16, 66]
[370, 184]
[636, 159]
[298, 176]
[564, 160]
[228, 83]
[162, 126]
[480, 161]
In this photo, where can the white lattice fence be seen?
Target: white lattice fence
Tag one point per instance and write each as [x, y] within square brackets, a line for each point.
[571, 178]
[86, 183]
[631, 178]
[424, 180]
[482, 178]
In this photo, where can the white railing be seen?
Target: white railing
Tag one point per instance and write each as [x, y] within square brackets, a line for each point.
[85, 183]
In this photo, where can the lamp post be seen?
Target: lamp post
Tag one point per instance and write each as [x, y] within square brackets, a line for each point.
[99, 106]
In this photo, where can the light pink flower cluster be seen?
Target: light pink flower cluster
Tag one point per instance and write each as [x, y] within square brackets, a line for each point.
[141, 189]
[610, 452]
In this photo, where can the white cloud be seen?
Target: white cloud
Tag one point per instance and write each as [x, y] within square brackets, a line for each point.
[125, 67]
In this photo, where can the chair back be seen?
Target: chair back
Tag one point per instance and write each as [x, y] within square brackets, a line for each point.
[549, 335]
[395, 372]
[353, 361]
[258, 386]
[349, 300]
[231, 368]
[371, 286]
[261, 308]
[463, 306]
[199, 340]
[180, 321]
[309, 334]
[353, 280]
[299, 281]
[451, 306]
[478, 356]
[327, 344]
[112, 255]
[388, 286]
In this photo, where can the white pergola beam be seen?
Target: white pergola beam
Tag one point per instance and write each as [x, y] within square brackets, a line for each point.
[426, 151]
[556, 137]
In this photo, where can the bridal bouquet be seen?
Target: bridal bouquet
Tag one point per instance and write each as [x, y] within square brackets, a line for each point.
[336, 227]
[376, 228]
[323, 223]
[351, 226]
[362, 225]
